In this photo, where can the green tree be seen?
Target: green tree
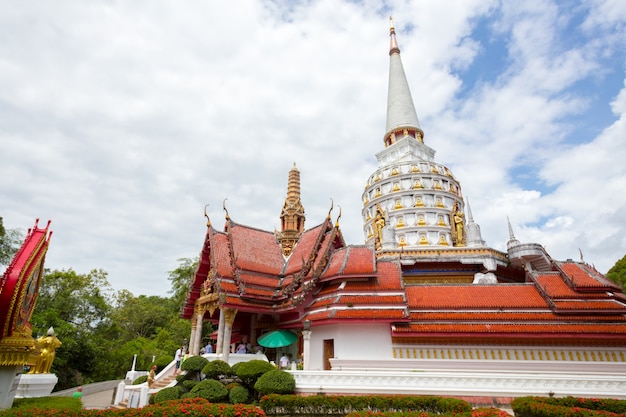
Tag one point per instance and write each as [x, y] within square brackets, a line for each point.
[617, 273]
[181, 279]
[77, 306]
[10, 242]
[141, 316]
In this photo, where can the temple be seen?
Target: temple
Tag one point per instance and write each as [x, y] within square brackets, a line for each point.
[423, 289]
[19, 288]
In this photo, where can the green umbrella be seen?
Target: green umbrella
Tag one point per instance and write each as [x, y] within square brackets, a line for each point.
[277, 338]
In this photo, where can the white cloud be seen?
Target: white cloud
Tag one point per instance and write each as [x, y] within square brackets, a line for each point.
[120, 121]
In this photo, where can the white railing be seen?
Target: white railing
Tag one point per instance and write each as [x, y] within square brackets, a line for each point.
[136, 396]
[461, 383]
[450, 378]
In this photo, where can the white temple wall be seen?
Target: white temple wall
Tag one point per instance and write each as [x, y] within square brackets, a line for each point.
[351, 341]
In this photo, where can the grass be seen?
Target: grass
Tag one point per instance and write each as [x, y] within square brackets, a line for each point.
[46, 403]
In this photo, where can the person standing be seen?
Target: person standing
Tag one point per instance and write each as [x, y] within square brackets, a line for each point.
[178, 356]
[284, 361]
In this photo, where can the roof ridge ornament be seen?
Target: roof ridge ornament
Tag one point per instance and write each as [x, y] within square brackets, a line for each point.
[225, 209]
[332, 206]
[208, 221]
[338, 217]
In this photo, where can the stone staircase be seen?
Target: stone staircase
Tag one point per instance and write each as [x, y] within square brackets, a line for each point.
[163, 382]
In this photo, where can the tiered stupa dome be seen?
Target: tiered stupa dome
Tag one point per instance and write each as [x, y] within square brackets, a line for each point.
[411, 200]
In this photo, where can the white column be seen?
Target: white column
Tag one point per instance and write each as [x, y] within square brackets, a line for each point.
[306, 348]
[192, 336]
[220, 333]
[229, 319]
[195, 350]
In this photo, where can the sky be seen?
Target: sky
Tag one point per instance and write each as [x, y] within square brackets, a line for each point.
[120, 121]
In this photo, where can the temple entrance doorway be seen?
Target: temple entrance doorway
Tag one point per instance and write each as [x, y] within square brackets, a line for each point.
[329, 352]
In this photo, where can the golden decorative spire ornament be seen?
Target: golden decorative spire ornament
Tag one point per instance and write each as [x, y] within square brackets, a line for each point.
[292, 216]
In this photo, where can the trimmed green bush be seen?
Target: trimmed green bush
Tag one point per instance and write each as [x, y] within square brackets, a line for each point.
[275, 382]
[194, 363]
[217, 368]
[167, 394]
[235, 366]
[210, 389]
[238, 394]
[189, 384]
[162, 362]
[140, 380]
[250, 371]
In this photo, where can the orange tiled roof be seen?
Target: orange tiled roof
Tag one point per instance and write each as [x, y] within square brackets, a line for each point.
[303, 249]
[221, 253]
[474, 296]
[584, 277]
[555, 287]
[261, 280]
[336, 263]
[590, 305]
[361, 261]
[423, 329]
[256, 250]
[512, 316]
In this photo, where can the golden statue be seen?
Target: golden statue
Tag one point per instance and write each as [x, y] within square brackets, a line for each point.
[457, 218]
[379, 223]
[47, 347]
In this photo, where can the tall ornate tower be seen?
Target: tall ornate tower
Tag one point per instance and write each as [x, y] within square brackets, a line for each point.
[292, 216]
[410, 201]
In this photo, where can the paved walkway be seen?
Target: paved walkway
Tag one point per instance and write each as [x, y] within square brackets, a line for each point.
[99, 400]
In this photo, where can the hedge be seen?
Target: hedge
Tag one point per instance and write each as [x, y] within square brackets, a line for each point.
[337, 404]
[567, 407]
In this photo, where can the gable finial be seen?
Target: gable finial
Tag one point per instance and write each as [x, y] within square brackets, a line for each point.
[338, 217]
[208, 221]
[225, 209]
[332, 206]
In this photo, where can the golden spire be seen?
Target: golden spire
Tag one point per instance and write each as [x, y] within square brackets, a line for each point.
[393, 47]
[292, 216]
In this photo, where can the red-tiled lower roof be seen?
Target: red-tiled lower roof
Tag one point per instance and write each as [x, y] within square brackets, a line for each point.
[519, 316]
[361, 261]
[269, 282]
[474, 296]
[423, 329]
[584, 278]
[373, 299]
[590, 305]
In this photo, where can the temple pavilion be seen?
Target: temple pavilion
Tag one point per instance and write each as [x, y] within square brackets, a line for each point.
[423, 287]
